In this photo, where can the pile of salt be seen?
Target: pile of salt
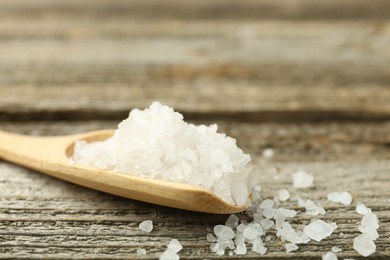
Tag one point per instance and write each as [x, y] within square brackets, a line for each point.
[157, 143]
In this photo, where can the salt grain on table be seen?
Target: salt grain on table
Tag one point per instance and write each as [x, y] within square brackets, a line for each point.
[364, 243]
[336, 249]
[146, 226]
[344, 197]
[329, 256]
[302, 180]
[319, 229]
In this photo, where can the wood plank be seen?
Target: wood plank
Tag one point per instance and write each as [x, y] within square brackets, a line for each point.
[201, 9]
[37, 210]
[267, 70]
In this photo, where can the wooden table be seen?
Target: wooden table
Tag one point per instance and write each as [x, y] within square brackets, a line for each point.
[309, 79]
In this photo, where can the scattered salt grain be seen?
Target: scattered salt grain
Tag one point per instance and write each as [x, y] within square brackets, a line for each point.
[363, 245]
[141, 251]
[336, 249]
[302, 180]
[157, 143]
[288, 213]
[175, 246]
[267, 203]
[291, 247]
[170, 253]
[232, 221]
[146, 226]
[312, 208]
[266, 223]
[369, 226]
[329, 256]
[224, 232]
[258, 246]
[269, 213]
[344, 197]
[283, 195]
[252, 231]
[319, 229]
[362, 209]
[268, 153]
[241, 248]
[211, 238]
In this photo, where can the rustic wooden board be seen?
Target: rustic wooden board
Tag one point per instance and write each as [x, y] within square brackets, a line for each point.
[59, 62]
[44, 217]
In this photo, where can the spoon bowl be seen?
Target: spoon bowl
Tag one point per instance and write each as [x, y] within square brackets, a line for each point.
[51, 155]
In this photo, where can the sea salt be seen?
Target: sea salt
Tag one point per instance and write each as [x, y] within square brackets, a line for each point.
[157, 143]
[344, 197]
[336, 249]
[302, 180]
[319, 229]
[329, 256]
[362, 209]
[223, 232]
[232, 221]
[268, 153]
[283, 195]
[290, 247]
[312, 208]
[363, 245]
[267, 203]
[170, 253]
[258, 246]
[141, 251]
[146, 226]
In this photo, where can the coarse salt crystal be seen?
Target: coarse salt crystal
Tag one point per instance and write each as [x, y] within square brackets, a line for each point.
[283, 195]
[266, 223]
[336, 249]
[141, 251]
[252, 231]
[288, 213]
[268, 153]
[302, 180]
[241, 249]
[258, 246]
[291, 247]
[232, 221]
[329, 256]
[363, 245]
[362, 209]
[146, 226]
[223, 232]
[267, 203]
[369, 226]
[340, 197]
[174, 245]
[211, 238]
[319, 229]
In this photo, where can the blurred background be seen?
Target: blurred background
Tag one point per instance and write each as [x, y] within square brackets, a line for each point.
[248, 60]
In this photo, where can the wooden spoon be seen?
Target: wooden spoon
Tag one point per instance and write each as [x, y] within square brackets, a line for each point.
[51, 155]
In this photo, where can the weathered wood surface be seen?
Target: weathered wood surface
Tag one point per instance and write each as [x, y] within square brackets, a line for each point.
[44, 217]
[296, 62]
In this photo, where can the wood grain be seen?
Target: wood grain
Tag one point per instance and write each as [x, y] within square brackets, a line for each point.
[44, 217]
[266, 71]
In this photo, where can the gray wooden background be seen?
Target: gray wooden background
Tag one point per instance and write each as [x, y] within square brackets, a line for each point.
[310, 79]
